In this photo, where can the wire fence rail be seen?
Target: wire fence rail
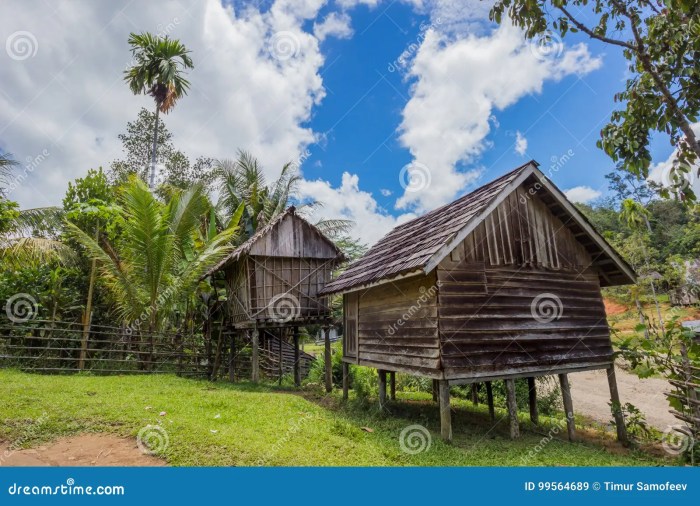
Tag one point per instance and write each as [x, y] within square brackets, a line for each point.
[66, 347]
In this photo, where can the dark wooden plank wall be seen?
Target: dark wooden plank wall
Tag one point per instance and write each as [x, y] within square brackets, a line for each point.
[397, 326]
[489, 287]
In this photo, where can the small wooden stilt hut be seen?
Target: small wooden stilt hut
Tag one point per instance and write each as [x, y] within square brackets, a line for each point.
[273, 284]
[503, 283]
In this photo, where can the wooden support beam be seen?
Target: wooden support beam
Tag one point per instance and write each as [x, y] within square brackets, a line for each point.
[255, 356]
[382, 388]
[489, 401]
[435, 390]
[297, 359]
[232, 358]
[280, 358]
[328, 361]
[392, 385]
[617, 406]
[568, 406]
[475, 394]
[532, 400]
[346, 380]
[445, 413]
[512, 409]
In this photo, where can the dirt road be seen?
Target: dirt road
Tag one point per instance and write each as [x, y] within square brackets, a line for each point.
[591, 396]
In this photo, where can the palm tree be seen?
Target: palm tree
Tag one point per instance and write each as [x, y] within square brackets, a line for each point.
[27, 236]
[158, 71]
[162, 253]
[243, 183]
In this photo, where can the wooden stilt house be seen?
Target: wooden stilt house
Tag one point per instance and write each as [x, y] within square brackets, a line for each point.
[503, 283]
[273, 283]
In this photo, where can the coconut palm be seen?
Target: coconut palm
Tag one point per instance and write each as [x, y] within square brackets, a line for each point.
[160, 256]
[243, 183]
[158, 71]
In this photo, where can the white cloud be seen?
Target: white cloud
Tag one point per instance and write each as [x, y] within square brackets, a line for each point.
[663, 173]
[349, 202]
[520, 143]
[255, 82]
[385, 192]
[582, 194]
[335, 25]
[458, 83]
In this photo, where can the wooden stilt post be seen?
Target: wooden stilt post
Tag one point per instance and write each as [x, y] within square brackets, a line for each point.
[328, 362]
[475, 394]
[346, 380]
[435, 390]
[280, 357]
[297, 360]
[382, 388]
[532, 400]
[232, 359]
[445, 413]
[617, 406]
[489, 401]
[568, 406]
[392, 385]
[255, 370]
[512, 409]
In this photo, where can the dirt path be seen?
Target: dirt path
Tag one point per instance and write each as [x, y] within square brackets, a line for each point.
[82, 450]
[591, 396]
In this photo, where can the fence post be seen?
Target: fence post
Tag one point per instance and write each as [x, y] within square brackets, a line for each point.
[329, 363]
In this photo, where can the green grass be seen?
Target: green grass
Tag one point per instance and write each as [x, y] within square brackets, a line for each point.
[225, 425]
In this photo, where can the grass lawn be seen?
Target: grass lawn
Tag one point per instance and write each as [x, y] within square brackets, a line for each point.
[237, 425]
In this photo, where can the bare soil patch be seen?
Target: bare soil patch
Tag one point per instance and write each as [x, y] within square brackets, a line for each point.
[613, 308]
[82, 450]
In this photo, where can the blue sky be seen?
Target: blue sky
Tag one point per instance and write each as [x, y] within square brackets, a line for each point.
[320, 82]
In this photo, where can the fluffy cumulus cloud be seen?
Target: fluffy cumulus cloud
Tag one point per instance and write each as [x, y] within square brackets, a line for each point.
[334, 25]
[65, 102]
[520, 143]
[458, 84]
[349, 202]
[582, 194]
[664, 174]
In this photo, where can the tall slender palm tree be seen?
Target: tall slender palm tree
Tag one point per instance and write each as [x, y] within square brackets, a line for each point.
[160, 258]
[158, 70]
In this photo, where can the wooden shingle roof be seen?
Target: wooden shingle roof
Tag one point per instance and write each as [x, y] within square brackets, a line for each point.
[419, 245]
